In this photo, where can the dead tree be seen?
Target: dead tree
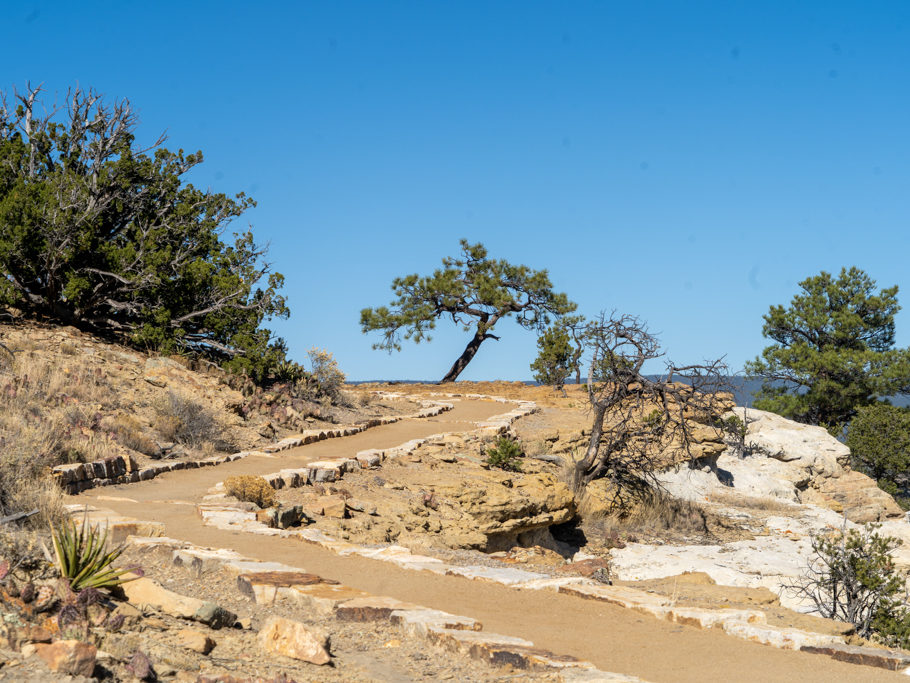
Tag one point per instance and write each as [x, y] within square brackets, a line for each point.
[642, 423]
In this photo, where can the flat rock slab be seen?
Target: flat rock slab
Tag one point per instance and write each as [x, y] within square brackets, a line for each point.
[491, 648]
[263, 587]
[783, 638]
[371, 608]
[419, 622]
[885, 659]
[322, 598]
[505, 576]
[629, 598]
[71, 657]
[144, 593]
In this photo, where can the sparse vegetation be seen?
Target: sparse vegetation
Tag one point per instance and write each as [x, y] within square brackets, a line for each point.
[650, 515]
[505, 455]
[186, 421]
[251, 489]
[851, 577]
[325, 370]
[46, 419]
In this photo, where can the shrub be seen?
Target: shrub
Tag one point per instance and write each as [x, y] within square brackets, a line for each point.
[251, 489]
[326, 372]
[505, 455]
[851, 577]
[83, 558]
[186, 421]
[129, 432]
[879, 441]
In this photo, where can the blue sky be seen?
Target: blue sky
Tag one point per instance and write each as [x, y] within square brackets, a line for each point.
[686, 162]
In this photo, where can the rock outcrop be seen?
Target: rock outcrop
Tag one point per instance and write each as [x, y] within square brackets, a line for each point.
[791, 461]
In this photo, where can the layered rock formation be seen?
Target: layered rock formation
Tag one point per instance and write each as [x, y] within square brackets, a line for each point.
[791, 461]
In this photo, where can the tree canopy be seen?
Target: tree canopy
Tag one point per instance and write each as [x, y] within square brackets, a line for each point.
[100, 233]
[556, 357]
[473, 291]
[833, 350]
[879, 441]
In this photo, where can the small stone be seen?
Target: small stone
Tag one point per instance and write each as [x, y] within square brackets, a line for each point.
[214, 616]
[194, 640]
[28, 650]
[292, 639]
[333, 506]
[71, 657]
[361, 506]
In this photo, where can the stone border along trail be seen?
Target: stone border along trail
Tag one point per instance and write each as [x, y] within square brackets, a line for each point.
[609, 626]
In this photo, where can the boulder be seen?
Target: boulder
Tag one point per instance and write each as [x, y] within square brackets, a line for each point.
[857, 496]
[502, 514]
[289, 638]
[71, 657]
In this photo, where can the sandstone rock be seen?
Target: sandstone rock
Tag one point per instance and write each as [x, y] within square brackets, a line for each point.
[263, 586]
[292, 639]
[893, 660]
[857, 496]
[194, 640]
[71, 657]
[810, 447]
[321, 598]
[333, 506]
[535, 555]
[371, 608]
[537, 501]
[144, 592]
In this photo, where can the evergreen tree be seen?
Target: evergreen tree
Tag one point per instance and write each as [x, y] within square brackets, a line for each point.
[100, 233]
[833, 351]
[475, 292]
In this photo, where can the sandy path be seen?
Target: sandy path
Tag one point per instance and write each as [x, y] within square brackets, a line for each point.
[613, 638]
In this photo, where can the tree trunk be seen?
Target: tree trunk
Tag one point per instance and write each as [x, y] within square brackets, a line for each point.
[469, 352]
[587, 466]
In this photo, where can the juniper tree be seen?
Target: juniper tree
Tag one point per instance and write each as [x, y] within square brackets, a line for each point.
[100, 233]
[879, 441]
[473, 291]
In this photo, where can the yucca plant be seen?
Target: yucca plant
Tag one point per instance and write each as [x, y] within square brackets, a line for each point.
[83, 557]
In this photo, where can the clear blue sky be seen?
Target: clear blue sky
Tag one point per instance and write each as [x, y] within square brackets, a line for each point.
[687, 162]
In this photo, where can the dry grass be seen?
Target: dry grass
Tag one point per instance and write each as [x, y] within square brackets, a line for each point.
[761, 503]
[653, 515]
[186, 421]
[251, 489]
[128, 431]
[48, 416]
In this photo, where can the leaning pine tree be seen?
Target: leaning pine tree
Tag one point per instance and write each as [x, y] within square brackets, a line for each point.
[100, 233]
[473, 291]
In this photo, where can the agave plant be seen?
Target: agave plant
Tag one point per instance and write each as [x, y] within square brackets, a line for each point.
[83, 557]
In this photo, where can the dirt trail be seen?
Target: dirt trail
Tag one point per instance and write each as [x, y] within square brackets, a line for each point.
[613, 638]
